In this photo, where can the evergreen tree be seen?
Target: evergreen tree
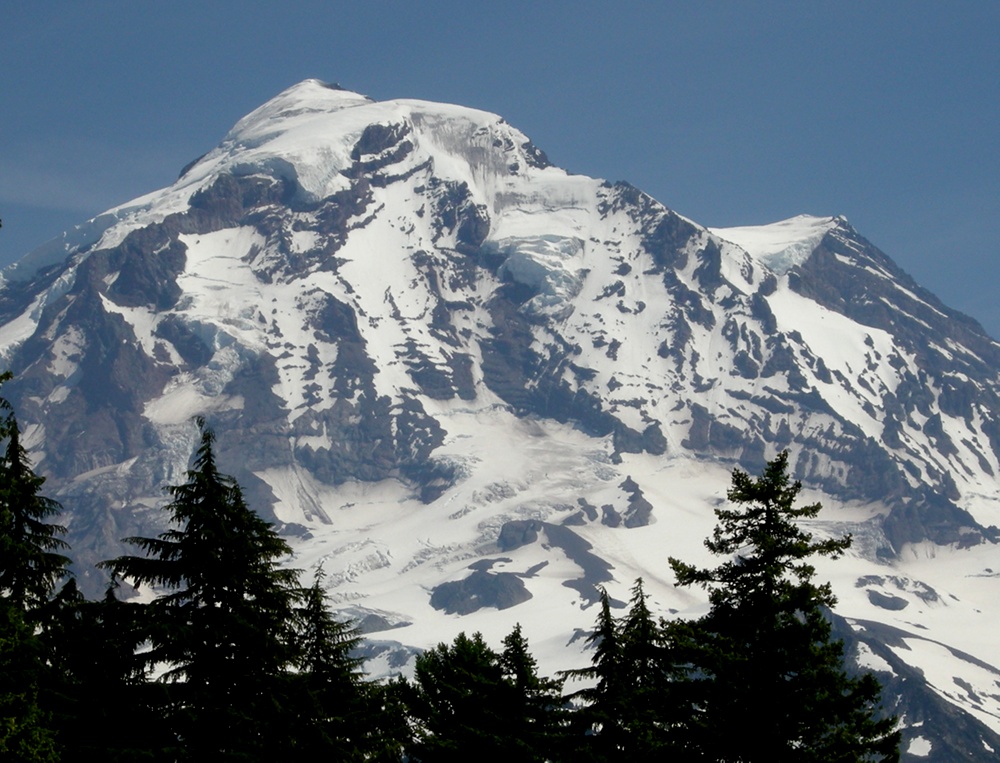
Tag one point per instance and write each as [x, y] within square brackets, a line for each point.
[536, 701]
[631, 709]
[393, 735]
[334, 702]
[598, 732]
[224, 630]
[651, 710]
[30, 566]
[30, 562]
[641, 651]
[454, 702]
[98, 681]
[764, 658]
[468, 701]
[25, 728]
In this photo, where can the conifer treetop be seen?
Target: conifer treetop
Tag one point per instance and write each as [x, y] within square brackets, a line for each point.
[30, 560]
[768, 551]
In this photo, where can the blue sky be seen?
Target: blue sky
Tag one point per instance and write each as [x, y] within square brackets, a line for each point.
[731, 113]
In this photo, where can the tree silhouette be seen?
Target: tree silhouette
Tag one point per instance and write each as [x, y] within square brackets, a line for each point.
[764, 658]
[334, 703]
[224, 631]
[30, 562]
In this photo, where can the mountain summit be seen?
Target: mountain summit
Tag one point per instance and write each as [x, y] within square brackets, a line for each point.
[468, 381]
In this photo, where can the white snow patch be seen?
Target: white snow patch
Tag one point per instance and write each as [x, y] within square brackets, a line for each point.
[844, 347]
[919, 747]
[969, 685]
[868, 660]
[782, 245]
[182, 400]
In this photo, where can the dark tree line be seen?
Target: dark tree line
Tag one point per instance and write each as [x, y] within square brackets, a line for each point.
[233, 660]
[236, 660]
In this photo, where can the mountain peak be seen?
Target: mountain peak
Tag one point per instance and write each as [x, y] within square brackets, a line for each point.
[781, 245]
[313, 134]
[310, 96]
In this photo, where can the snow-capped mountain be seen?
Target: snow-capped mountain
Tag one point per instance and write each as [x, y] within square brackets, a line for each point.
[474, 386]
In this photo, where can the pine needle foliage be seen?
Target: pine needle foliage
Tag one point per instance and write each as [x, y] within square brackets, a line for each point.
[631, 707]
[597, 726]
[26, 732]
[30, 566]
[469, 701]
[763, 657]
[223, 631]
[31, 562]
[334, 702]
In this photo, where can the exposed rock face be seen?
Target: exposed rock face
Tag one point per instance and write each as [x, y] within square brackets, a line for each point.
[940, 731]
[407, 298]
[481, 589]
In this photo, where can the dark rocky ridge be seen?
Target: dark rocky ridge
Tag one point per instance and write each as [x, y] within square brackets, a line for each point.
[955, 735]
